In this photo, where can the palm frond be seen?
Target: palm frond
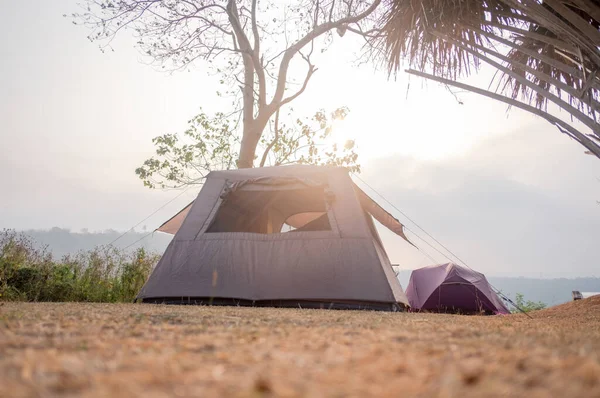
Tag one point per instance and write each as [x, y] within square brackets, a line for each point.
[408, 25]
[548, 49]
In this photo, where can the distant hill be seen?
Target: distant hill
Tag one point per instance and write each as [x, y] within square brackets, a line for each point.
[549, 291]
[62, 241]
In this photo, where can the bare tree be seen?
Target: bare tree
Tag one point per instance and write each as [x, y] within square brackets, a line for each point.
[251, 44]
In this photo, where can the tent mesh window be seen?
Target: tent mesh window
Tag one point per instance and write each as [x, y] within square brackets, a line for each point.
[272, 211]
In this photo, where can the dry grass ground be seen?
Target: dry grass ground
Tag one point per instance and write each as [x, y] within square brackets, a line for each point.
[159, 351]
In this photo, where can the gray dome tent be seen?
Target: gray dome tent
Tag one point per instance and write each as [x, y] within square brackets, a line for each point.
[278, 236]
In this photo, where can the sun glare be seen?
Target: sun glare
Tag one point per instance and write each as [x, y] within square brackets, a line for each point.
[403, 136]
[341, 133]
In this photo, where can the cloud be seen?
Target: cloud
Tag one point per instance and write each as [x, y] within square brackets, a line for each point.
[522, 203]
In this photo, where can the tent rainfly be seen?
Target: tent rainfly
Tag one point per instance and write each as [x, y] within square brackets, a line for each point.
[452, 288]
[278, 236]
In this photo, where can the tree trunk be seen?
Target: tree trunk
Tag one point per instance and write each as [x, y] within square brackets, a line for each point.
[250, 138]
[248, 149]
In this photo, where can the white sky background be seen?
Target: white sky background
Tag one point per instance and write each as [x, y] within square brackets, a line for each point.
[507, 192]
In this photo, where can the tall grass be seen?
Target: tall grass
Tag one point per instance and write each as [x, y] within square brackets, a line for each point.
[104, 274]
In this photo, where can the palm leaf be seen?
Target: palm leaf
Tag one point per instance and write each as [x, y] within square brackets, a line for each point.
[549, 49]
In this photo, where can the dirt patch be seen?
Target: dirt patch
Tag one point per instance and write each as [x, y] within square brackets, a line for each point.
[161, 351]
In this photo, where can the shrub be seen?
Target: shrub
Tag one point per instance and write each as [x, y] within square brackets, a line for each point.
[528, 305]
[104, 274]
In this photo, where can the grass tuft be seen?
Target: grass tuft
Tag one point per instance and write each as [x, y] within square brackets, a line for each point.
[104, 274]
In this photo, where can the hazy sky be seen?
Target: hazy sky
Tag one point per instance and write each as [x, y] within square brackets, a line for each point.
[506, 191]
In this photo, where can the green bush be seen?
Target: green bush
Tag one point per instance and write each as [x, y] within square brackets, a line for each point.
[528, 305]
[104, 274]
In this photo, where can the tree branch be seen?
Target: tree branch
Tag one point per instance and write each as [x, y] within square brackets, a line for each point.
[310, 36]
[311, 71]
[331, 10]
[244, 44]
[256, 58]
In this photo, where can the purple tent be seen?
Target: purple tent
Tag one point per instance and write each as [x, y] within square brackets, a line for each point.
[452, 288]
